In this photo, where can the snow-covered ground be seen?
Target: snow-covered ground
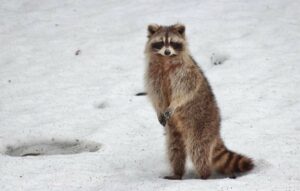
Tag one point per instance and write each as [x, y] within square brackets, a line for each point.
[52, 99]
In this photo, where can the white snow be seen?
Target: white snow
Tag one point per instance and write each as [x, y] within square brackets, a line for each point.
[49, 93]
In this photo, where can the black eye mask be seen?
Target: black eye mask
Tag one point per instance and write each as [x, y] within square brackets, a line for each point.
[176, 45]
[157, 45]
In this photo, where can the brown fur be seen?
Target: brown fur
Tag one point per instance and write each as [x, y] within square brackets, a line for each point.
[177, 84]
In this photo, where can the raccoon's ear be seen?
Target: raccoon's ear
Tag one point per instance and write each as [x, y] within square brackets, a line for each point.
[152, 29]
[180, 28]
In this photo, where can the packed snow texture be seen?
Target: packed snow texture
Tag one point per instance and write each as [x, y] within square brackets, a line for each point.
[70, 70]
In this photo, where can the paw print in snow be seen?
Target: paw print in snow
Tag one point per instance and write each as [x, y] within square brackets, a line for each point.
[218, 59]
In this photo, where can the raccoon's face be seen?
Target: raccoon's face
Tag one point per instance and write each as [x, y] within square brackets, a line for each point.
[166, 40]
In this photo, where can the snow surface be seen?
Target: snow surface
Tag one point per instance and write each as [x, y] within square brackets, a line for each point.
[47, 92]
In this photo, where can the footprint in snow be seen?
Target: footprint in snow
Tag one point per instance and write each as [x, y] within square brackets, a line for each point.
[218, 59]
[52, 147]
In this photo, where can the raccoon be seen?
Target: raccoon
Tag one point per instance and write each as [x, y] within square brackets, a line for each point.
[186, 106]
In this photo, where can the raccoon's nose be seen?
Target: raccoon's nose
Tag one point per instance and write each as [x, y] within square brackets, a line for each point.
[167, 52]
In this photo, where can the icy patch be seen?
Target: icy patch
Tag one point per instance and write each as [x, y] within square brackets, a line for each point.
[52, 147]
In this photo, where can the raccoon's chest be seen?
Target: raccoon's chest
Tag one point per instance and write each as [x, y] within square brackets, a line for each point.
[160, 80]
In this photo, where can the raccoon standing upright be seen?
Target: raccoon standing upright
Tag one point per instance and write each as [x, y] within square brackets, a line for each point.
[186, 106]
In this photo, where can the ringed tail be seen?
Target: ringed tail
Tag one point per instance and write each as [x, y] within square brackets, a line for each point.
[228, 162]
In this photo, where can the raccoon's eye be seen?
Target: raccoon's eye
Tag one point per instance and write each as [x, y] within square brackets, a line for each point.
[176, 45]
[157, 45]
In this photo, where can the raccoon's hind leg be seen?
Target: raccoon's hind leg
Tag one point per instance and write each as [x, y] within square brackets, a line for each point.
[199, 151]
[176, 153]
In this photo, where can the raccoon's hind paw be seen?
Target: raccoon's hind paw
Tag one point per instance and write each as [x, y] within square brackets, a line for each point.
[173, 177]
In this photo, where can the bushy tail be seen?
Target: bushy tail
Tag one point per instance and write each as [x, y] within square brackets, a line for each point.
[229, 162]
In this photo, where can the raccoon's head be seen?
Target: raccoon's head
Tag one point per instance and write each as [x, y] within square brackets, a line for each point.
[166, 41]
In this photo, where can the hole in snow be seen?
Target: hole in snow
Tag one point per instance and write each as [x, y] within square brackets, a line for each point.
[52, 147]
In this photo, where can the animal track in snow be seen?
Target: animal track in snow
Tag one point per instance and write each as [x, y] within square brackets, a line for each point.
[52, 147]
[217, 59]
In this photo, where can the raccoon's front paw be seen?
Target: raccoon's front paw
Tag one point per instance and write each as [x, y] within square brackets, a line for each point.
[162, 120]
[164, 117]
[167, 114]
